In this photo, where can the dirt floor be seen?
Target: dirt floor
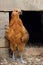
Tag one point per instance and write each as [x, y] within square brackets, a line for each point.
[31, 56]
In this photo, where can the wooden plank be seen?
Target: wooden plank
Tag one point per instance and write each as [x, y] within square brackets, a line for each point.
[4, 52]
[4, 43]
[8, 5]
[4, 22]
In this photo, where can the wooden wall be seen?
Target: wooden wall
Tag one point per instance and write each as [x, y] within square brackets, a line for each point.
[4, 46]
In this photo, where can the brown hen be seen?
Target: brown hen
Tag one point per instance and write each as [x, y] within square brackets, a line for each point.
[16, 33]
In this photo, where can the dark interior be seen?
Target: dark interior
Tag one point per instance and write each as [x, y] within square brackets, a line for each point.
[33, 21]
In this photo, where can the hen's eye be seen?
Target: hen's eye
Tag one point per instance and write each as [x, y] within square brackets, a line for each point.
[16, 11]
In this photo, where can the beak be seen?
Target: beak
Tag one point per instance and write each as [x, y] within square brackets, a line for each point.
[20, 12]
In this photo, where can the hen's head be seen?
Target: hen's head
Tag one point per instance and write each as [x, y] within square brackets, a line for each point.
[16, 12]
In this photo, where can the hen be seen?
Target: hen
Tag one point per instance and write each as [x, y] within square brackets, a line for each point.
[16, 33]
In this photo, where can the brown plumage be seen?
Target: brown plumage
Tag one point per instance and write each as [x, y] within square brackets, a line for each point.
[16, 33]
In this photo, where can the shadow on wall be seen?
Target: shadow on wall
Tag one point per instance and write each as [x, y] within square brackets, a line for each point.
[33, 21]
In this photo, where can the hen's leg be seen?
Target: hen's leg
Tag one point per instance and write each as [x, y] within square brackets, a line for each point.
[21, 58]
[13, 57]
[20, 51]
